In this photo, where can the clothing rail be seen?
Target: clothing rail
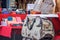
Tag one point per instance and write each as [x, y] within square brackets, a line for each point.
[43, 15]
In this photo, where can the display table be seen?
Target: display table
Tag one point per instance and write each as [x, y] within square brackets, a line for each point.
[22, 16]
[6, 31]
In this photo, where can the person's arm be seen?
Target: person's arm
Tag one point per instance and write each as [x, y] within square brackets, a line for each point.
[54, 2]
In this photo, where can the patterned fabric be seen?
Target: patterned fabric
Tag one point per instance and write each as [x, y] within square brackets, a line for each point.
[47, 27]
[31, 27]
[45, 6]
[37, 27]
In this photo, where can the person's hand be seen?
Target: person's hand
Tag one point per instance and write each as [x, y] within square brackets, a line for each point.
[35, 12]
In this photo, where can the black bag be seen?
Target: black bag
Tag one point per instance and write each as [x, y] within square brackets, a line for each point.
[47, 37]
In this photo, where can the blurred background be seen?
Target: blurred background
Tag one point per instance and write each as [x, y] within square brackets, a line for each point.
[21, 4]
